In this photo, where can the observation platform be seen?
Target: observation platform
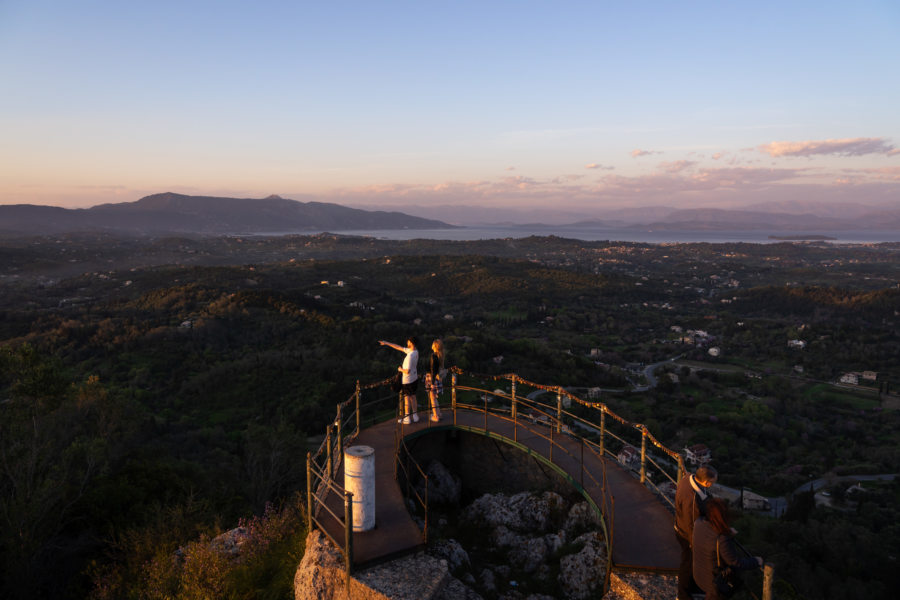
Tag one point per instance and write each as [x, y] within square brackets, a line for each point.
[640, 525]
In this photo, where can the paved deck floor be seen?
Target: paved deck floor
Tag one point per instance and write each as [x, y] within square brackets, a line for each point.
[641, 526]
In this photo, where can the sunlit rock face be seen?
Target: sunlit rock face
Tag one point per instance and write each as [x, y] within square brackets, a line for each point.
[321, 573]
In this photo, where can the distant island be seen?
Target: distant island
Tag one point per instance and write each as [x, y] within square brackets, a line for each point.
[802, 238]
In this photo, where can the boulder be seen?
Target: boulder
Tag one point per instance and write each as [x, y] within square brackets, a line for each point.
[488, 581]
[451, 551]
[443, 486]
[555, 541]
[581, 518]
[524, 512]
[230, 542]
[502, 537]
[492, 510]
[536, 513]
[528, 555]
[581, 574]
[321, 573]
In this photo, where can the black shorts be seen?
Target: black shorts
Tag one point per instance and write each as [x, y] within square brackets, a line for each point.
[410, 389]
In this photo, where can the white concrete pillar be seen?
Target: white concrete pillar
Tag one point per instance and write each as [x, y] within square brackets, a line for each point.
[359, 478]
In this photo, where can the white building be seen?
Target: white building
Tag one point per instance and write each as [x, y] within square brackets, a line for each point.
[851, 378]
[698, 454]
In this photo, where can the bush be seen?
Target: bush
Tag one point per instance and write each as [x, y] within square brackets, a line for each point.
[261, 566]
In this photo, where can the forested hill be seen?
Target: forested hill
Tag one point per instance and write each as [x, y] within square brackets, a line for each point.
[171, 213]
[156, 389]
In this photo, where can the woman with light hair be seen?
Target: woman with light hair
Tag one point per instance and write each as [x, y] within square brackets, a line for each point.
[434, 383]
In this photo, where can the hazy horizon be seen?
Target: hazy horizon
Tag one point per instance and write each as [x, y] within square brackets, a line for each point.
[513, 108]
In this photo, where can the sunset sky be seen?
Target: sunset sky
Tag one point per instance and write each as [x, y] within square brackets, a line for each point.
[576, 106]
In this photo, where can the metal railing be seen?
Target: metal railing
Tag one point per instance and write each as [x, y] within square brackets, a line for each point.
[323, 491]
[602, 434]
[603, 430]
[404, 459]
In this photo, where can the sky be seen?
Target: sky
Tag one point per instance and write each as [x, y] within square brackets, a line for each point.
[515, 105]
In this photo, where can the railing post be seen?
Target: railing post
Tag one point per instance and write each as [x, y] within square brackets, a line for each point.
[643, 454]
[559, 410]
[339, 423]
[681, 470]
[581, 472]
[551, 443]
[768, 578]
[453, 396]
[309, 510]
[358, 396]
[602, 432]
[426, 509]
[348, 532]
[328, 448]
[485, 397]
[514, 409]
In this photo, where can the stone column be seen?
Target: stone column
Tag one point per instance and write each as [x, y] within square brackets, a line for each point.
[359, 478]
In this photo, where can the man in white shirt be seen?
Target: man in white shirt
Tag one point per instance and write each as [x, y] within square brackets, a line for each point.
[409, 368]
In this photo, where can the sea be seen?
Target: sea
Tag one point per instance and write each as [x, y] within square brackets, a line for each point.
[625, 235]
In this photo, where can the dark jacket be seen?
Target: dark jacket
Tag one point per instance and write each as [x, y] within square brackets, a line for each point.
[704, 554]
[689, 506]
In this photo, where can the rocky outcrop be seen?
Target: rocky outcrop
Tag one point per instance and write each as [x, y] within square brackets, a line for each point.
[544, 545]
[581, 574]
[321, 576]
[523, 512]
[641, 586]
[321, 573]
[451, 551]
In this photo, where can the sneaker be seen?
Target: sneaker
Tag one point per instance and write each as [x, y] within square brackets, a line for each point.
[435, 419]
[416, 418]
[404, 420]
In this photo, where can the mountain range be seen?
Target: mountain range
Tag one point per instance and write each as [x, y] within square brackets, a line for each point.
[178, 213]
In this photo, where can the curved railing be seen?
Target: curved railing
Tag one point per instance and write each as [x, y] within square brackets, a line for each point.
[598, 430]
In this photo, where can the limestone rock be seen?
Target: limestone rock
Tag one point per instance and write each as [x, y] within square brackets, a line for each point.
[321, 573]
[528, 555]
[524, 512]
[581, 518]
[492, 510]
[555, 541]
[230, 542]
[582, 573]
[443, 486]
[451, 551]
[488, 581]
[536, 512]
[502, 537]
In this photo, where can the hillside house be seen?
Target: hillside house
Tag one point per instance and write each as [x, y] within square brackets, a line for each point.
[869, 375]
[629, 457]
[800, 344]
[850, 378]
[698, 454]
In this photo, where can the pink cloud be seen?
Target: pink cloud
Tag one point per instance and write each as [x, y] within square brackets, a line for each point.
[844, 147]
[638, 152]
[677, 166]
